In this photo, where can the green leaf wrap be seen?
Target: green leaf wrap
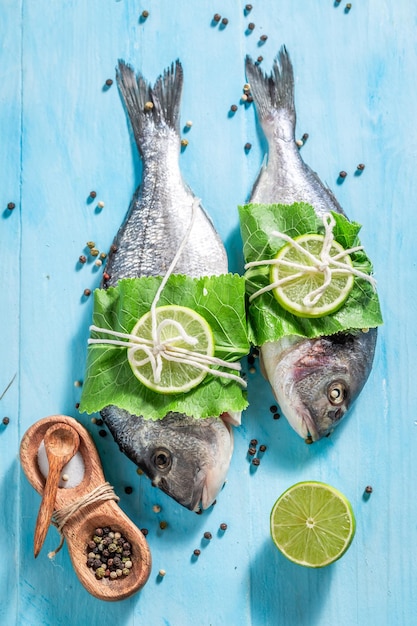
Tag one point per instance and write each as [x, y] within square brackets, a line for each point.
[109, 379]
[268, 321]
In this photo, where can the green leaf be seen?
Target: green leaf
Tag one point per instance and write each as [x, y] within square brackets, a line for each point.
[268, 321]
[109, 379]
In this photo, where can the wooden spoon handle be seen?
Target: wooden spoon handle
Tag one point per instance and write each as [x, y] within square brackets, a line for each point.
[47, 507]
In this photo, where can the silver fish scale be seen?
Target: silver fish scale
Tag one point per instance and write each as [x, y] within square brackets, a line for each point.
[158, 218]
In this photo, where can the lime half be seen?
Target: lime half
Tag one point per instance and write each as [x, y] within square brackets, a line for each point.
[179, 329]
[312, 524]
[303, 277]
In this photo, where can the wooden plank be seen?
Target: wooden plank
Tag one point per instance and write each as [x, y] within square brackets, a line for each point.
[63, 135]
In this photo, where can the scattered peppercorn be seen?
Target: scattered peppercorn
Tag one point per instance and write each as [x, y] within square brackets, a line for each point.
[99, 421]
[273, 408]
[253, 442]
[145, 14]
[161, 573]
[256, 462]
[6, 420]
[11, 206]
[252, 451]
[197, 552]
[263, 37]
[83, 259]
[148, 106]
[184, 143]
[233, 108]
[248, 146]
[348, 6]
[208, 536]
[225, 21]
[163, 525]
[299, 142]
[368, 489]
[360, 167]
[262, 448]
[87, 292]
[103, 554]
[305, 137]
[342, 174]
[90, 244]
[248, 8]
[113, 248]
[217, 17]
[93, 194]
[276, 416]
[100, 204]
[99, 263]
[308, 439]
[102, 433]
[251, 26]
[128, 490]
[94, 252]
[260, 59]
[144, 531]
[223, 526]
[109, 82]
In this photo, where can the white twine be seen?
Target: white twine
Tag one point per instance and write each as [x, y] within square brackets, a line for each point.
[101, 493]
[324, 264]
[157, 350]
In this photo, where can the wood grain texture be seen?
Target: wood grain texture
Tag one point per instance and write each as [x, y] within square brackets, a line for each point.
[62, 135]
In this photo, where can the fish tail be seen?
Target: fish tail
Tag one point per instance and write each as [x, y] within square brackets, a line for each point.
[151, 107]
[274, 92]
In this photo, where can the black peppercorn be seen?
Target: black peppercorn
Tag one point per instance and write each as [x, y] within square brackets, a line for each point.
[225, 21]
[360, 167]
[208, 536]
[368, 489]
[217, 17]
[342, 174]
[83, 259]
[11, 206]
[252, 451]
[128, 490]
[87, 292]
[93, 194]
[263, 37]
[109, 82]
[251, 26]
[223, 526]
[6, 420]
[102, 433]
[233, 108]
[248, 146]
[197, 552]
[256, 462]
[253, 442]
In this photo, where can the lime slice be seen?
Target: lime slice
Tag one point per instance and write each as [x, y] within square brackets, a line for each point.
[299, 283]
[312, 524]
[174, 321]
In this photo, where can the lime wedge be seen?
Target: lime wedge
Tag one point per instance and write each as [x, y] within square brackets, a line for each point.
[312, 524]
[180, 328]
[305, 276]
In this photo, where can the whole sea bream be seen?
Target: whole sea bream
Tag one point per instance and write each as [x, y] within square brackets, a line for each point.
[185, 457]
[314, 380]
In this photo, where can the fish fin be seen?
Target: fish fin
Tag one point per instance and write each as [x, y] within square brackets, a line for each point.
[273, 92]
[164, 97]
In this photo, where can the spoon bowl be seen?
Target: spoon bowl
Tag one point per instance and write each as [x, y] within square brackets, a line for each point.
[79, 528]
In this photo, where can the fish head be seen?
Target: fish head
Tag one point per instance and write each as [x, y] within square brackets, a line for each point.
[316, 381]
[186, 458]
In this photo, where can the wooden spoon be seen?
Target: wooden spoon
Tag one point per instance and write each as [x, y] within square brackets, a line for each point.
[79, 529]
[61, 443]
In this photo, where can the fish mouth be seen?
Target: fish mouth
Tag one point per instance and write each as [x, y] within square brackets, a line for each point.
[208, 479]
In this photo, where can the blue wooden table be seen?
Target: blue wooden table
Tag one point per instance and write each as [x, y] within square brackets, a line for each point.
[63, 134]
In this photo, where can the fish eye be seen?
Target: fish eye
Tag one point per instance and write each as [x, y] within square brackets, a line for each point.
[336, 393]
[161, 458]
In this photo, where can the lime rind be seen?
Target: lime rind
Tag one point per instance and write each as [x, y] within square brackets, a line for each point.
[175, 376]
[303, 531]
[300, 284]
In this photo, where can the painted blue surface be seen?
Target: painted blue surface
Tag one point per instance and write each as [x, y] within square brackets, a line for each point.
[63, 135]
